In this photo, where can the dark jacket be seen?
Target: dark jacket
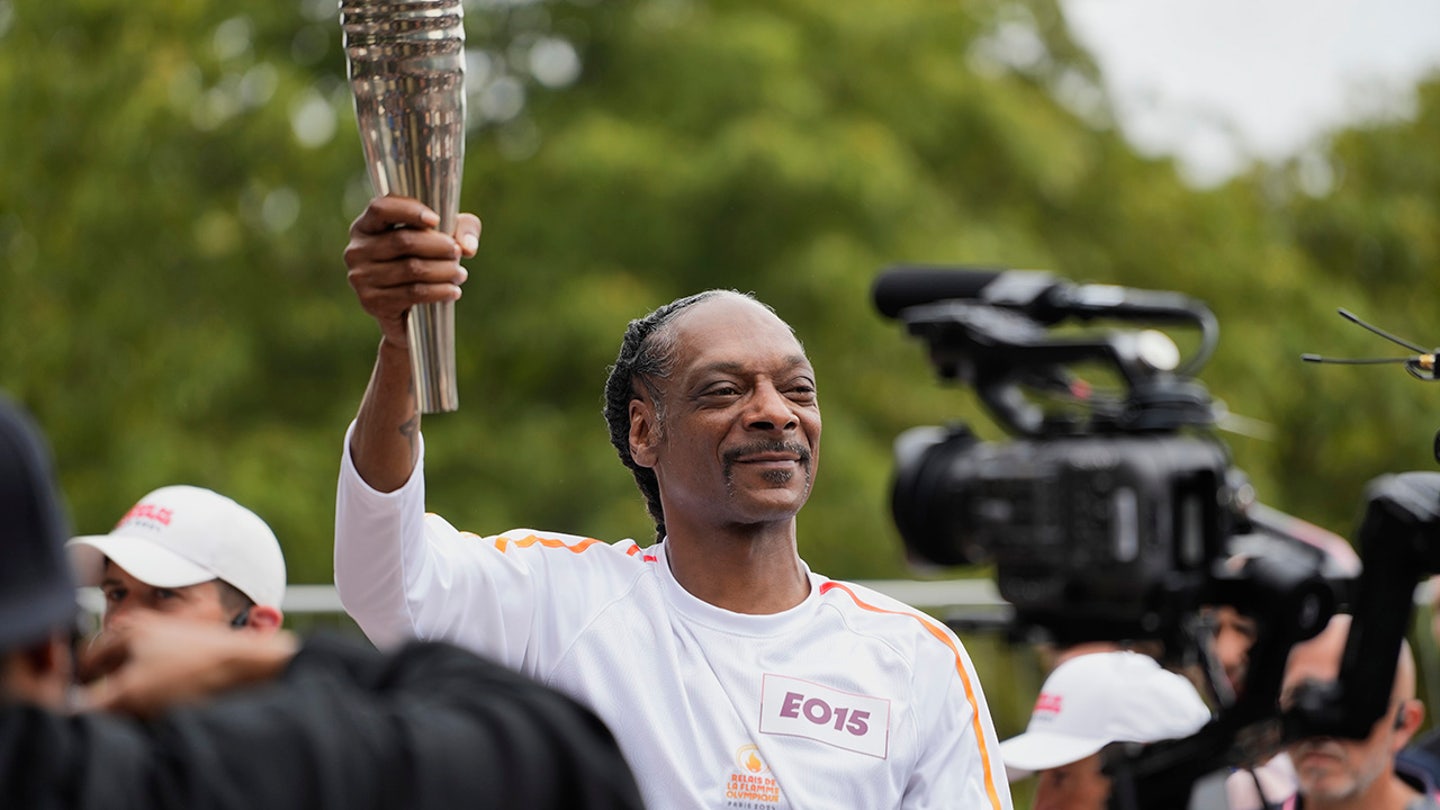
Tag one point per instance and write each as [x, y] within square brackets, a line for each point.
[345, 727]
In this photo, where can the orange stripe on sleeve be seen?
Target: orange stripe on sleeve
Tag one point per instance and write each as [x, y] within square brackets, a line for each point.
[940, 634]
[503, 543]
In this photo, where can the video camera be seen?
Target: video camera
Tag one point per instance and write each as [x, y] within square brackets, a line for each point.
[1118, 514]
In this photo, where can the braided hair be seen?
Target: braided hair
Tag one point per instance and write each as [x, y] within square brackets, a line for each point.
[647, 355]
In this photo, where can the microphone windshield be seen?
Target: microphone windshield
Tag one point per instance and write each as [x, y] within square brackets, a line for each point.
[904, 286]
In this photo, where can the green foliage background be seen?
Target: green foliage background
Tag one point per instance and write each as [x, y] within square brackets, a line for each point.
[177, 180]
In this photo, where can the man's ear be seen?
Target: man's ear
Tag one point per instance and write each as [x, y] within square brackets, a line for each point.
[644, 432]
[264, 618]
[1408, 717]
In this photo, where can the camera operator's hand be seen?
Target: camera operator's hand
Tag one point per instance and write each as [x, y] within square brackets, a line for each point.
[151, 663]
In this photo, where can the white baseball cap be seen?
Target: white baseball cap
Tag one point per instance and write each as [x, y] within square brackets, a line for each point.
[183, 535]
[1098, 698]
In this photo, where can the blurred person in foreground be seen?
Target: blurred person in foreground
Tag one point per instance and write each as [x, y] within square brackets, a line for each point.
[731, 673]
[188, 552]
[1342, 774]
[1089, 701]
[318, 724]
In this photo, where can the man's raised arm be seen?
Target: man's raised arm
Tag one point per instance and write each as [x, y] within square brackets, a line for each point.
[397, 259]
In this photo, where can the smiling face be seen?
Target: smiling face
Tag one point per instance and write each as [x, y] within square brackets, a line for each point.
[733, 434]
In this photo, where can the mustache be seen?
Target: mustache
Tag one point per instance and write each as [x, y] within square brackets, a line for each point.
[1321, 745]
[796, 449]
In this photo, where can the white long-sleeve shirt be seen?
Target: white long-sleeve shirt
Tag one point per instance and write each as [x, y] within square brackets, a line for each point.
[848, 700]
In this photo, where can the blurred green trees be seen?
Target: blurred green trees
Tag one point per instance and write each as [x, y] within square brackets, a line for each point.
[177, 182]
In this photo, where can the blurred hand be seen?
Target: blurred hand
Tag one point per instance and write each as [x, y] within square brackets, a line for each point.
[397, 259]
[153, 662]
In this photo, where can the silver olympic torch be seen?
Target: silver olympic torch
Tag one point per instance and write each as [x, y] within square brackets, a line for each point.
[407, 71]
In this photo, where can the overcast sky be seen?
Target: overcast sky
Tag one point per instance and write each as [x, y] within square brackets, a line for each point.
[1214, 80]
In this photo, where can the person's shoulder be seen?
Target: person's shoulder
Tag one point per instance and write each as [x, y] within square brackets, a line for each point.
[1418, 765]
[867, 610]
[1425, 801]
[925, 646]
[861, 597]
[560, 548]
[1428, 742]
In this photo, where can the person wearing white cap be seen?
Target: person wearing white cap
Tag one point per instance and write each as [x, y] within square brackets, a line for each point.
[172, 713]
[187, 551]
[1087, 703]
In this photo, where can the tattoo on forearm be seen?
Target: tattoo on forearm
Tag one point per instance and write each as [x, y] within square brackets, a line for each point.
[410, 428]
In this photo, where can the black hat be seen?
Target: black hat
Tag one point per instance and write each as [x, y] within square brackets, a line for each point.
[37, 593]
